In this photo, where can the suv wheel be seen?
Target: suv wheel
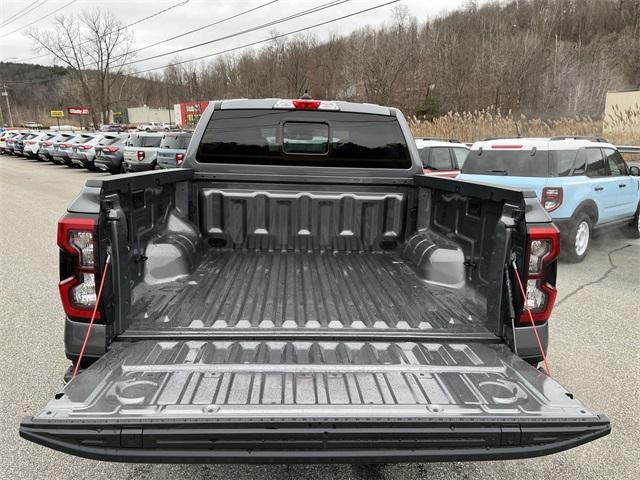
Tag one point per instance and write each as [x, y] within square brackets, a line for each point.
[634, 227]
[579, 239]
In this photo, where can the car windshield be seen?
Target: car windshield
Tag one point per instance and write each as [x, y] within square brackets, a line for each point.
[515, 163]
[175, 141]
[304, 138]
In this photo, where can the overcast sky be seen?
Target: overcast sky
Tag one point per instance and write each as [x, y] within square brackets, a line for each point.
[195, 13]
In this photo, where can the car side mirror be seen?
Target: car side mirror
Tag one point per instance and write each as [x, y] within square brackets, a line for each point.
[634, 171]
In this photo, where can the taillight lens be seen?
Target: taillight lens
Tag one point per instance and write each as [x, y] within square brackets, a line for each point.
[110, 149]
[179, 158]
[86, 147]
[140, 155]
[551, 198]
[77, 241]
[543, 249]
[65, 145]
[48, 144]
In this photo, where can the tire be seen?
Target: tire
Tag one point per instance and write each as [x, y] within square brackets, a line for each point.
[578, 240]
[634, 227]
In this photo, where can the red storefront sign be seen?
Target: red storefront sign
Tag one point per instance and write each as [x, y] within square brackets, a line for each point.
[77, 110]
[188, 113]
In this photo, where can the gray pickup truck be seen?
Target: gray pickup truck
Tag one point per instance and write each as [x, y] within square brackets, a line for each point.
[300, 292]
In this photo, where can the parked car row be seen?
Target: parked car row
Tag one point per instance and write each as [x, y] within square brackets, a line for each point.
[583, 183]
[112, 152]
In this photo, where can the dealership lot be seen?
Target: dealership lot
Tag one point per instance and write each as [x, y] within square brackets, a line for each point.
[593, 351]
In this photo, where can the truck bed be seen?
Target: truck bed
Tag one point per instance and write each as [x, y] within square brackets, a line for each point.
[307, 291]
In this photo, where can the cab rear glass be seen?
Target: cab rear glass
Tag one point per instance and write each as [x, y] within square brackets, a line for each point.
[304, 138]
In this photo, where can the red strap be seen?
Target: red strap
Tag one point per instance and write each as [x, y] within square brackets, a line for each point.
[533, 324]
[93, 316]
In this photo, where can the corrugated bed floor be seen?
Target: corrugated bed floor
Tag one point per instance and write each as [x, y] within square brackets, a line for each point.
[294, 290]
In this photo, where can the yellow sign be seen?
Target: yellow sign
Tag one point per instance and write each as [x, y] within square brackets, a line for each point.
[57, 113]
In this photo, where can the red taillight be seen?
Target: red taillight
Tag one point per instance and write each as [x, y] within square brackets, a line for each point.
[31, 142]
[179, 158]
[77, 240]
[306, 104]
[542, 252]
[140, 155]
[86, 147]
[65, 145]
[551, 198]
[110, 149]
[506, 146]
[48, 144]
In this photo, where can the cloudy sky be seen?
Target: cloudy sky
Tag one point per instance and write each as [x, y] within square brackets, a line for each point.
[191, 14]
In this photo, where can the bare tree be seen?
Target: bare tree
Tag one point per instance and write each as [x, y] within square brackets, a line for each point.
[96, 47]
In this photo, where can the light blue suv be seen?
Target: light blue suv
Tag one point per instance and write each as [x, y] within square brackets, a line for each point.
[583, 183]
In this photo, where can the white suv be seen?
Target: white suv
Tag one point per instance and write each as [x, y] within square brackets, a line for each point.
[441, 156]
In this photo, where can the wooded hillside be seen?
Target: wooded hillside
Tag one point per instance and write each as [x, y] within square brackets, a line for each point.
[543, 58]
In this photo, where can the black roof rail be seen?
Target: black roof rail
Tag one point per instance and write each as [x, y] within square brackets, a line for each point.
[579, 137]
[439, 139]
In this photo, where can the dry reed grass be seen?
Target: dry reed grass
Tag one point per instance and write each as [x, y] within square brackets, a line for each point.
[621, 128]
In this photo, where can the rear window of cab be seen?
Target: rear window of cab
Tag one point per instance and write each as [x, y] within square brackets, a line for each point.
[304, 138]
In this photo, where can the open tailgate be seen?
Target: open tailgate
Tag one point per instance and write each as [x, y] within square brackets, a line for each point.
[311, 401]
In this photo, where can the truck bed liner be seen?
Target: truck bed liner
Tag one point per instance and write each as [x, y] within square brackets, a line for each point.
[243, 289]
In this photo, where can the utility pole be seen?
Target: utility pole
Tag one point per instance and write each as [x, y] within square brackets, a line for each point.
[6, 95]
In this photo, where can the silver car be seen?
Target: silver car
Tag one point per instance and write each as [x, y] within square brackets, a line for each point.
[141, 151]
[84, 155]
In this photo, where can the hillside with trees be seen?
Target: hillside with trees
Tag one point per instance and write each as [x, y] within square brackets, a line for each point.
[537, 58]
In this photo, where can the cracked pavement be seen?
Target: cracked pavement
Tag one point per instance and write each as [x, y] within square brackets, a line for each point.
[595, 338]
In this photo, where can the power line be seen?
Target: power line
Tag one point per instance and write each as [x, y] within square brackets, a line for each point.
[292, 32]
[242, 32]
[154, 15]
[205, 26]
[38, 19]
[14, 17]
[119, 29]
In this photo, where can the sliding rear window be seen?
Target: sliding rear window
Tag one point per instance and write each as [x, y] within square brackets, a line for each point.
[304, 138]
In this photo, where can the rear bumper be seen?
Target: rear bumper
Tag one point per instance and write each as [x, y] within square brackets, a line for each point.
[107, 163]
[135, 166]
[308, 442]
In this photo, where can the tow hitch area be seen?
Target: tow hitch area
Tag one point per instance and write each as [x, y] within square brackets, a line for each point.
[311, 401]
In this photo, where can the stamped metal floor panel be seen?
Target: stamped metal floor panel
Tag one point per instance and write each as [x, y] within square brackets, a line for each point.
[306, 291]
[217, 401]
[224, 380]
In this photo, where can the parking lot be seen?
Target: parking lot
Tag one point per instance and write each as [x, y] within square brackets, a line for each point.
[593, 352]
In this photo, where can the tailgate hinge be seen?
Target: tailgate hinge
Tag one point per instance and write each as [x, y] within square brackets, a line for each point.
[130, 437]
[510, 435]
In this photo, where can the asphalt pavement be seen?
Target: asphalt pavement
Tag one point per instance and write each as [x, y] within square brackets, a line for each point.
[595, 340]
